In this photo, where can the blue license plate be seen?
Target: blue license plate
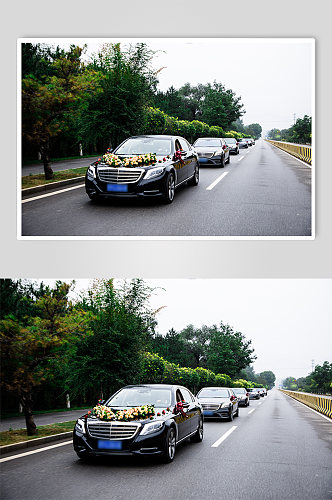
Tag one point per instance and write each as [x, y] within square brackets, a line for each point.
[109, 445]
[203, 160]
[117, 188]
[208, 413]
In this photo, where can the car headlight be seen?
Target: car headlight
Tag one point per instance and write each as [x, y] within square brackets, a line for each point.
[223, 405]
[152, 427]
[80, 426]
[154, 172]
[91, 172]
[217, 153]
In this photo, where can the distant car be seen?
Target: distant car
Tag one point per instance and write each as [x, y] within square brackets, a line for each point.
[212, 151]
[141, 420]
[144, 166]
[242, 395]
[232, 144]
[253, 394]
[243, 143]
[218, 402]
[262, 391]
[249, 141]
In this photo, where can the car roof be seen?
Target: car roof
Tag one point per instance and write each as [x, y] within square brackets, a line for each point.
[160, 136]
[156, 386]
[214, 387]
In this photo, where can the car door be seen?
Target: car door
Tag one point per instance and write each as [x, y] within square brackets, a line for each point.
[188, 159]
[235, 402]
[192, 411]
[182, 418]
[179, 164]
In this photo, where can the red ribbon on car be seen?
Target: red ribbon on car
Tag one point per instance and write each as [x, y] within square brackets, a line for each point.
[179, 409]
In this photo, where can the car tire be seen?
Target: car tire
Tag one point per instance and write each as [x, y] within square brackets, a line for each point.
[93, 197]
[169, 448]
[238, 152]
[169, 189]
[231, 416]
[228, 159]
[222, 162]
[198, 436]
[83, 456]
[236, 414]
[195, 178]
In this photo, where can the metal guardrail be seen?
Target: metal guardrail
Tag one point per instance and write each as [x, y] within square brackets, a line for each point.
[297, 150]
[318, 403]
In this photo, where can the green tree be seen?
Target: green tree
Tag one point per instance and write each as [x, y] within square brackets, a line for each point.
[290, 384]
[321, 378]
[122, 325]
[31, 345]
[228, 351]
[50, 100]
[127, 84]
[220, 107]
[267, 378]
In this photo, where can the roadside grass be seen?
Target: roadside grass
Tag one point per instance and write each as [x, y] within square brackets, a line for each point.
[19, 435]
[39, 179]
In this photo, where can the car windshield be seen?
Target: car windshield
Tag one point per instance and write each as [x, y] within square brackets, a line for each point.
[230, 141]
[213, 393]
[252, 390]
[239, 391]
[143, 145]
[138, 396]
[208, 142]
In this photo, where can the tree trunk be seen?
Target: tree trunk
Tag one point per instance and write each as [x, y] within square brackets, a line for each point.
[26, 402]
[45, 154]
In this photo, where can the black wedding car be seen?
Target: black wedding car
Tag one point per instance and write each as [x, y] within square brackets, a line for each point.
[176, 416]
[175, 163]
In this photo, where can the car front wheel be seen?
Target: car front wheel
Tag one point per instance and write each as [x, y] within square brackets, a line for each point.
[231, 416]
[169, 189]
[195, 179]
[170, 444]
[222, 163]
[198, 436]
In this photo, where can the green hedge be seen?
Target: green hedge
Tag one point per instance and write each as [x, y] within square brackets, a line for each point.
[156, 370]
[158, 122]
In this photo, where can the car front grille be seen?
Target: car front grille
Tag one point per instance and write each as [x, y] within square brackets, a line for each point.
[210, 407]
[205, 155]
[113, 430]
[119, 175]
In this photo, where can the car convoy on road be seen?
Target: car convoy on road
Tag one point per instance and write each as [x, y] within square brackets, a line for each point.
[153, 419]
[154, 166]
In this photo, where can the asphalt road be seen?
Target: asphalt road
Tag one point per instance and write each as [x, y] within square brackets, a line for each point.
[278, 449]
[265, 192]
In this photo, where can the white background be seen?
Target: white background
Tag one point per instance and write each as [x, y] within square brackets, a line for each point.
[173, 259]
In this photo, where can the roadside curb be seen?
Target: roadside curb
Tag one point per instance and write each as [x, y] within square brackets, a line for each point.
[51, 185]
[34, 442]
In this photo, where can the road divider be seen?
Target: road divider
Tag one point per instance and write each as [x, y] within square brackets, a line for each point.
[297, 150]
[321, 404]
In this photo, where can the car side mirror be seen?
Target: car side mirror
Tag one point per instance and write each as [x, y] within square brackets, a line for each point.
[185, 405]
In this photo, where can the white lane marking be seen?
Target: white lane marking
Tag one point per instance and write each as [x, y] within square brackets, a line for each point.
[260, 403]
[34, 451]
[241, 158]
[211, 186]
[251, 411]
[51, 194]
[223, 437]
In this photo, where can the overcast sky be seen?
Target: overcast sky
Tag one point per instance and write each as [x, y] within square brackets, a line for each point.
[288, 321]
[273, 77]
